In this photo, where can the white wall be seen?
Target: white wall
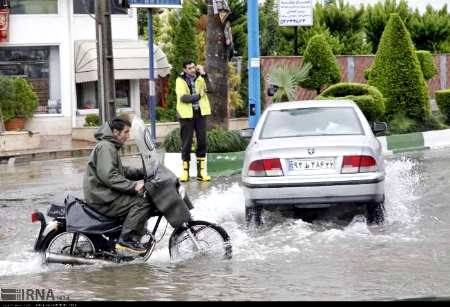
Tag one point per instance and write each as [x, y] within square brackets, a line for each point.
[63, 29]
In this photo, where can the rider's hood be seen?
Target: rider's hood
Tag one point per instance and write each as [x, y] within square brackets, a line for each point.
[104, 132]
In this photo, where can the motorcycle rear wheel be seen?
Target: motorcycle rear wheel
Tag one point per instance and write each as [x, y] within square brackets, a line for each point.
[212, 239]
[61, 244]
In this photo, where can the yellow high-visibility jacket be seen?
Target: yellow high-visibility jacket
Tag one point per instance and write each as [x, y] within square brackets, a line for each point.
[184, 109]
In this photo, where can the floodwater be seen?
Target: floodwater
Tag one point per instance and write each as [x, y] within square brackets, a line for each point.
[287, 259]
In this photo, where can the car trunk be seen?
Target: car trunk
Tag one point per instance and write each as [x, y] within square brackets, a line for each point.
[312, 155]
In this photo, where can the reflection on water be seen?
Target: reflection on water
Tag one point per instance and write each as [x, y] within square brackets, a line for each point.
[288, 259]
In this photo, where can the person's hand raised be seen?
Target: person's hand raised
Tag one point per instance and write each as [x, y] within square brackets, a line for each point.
[201, 70]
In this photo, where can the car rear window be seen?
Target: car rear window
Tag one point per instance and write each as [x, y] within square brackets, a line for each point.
[311, 122]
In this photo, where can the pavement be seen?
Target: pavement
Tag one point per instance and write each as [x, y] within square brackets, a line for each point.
[219, 164]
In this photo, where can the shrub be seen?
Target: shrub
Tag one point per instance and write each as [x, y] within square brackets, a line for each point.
[427, 65]
[6, 95]
[368, 98]
[286, 80]
[324, 70]
[19, 98]
[443, 102]
[92, 120]
[218, 140]
[166, 115]
[397, 75]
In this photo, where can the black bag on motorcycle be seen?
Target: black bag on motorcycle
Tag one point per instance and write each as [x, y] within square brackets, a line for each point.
[163, 190]
[81, 218]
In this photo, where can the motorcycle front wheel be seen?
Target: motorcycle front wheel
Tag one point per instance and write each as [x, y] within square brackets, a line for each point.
[200, 238]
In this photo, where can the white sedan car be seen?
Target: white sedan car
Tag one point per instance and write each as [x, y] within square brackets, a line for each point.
[313, 154]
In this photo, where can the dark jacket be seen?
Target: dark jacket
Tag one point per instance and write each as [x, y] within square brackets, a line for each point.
[106, 178]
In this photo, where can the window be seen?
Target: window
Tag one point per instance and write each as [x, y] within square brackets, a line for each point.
[34, 7]
[88, 7]
[122, 93]
[40, 66]
[87, 95]
[311, 121]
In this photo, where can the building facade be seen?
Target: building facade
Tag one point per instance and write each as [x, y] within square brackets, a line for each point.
[52, 44]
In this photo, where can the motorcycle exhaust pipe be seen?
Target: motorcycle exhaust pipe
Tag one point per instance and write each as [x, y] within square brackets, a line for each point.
[67, 259]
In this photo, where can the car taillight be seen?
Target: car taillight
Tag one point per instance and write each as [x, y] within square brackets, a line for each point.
[34, 217]
[266, 167]
[358, 164]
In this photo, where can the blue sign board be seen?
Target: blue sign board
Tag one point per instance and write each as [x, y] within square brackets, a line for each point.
[156, 3]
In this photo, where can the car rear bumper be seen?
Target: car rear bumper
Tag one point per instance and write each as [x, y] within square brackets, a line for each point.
[314, 194]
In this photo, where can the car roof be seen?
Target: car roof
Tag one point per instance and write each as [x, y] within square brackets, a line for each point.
[311, 104]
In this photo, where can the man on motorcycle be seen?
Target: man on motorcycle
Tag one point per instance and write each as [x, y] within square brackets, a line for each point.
[114, 190]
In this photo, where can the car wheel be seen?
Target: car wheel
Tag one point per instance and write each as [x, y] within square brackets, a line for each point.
[375, 213]
[253, 216]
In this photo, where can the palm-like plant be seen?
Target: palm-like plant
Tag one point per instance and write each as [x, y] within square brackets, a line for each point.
[286, 80]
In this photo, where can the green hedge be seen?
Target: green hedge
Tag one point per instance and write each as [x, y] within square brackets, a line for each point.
[217, 141]
[325, 69]
[396, 73]
[368, 98]
[443, 102]
[427, 65]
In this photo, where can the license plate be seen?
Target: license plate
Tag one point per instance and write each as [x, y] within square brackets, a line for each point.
[311, 164]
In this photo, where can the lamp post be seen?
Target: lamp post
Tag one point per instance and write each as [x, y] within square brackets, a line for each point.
[254, 95]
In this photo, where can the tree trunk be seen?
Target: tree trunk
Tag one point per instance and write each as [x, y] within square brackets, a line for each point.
[217, 68]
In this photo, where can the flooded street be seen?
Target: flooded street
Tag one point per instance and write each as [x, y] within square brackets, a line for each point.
[287, 259]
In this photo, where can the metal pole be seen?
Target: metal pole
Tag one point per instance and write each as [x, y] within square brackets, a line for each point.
[151, 77]
[254, 96]
[110, 85]
[295, 40]
[99, 12]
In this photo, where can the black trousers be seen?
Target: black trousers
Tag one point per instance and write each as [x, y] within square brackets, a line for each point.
[187, 128]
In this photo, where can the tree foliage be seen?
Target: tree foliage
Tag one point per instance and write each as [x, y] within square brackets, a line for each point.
[397, 74]
[184, 43]
[431, 30]
[377, 16]
[324, 68]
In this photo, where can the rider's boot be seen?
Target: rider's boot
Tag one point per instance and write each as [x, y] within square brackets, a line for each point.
[201, 169]
[185, 175]
[126, 245]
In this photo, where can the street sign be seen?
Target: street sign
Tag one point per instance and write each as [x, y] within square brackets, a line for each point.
[173, 4]
[295, 13]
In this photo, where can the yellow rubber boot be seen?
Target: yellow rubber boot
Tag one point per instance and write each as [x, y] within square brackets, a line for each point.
[201, 170]
[185, 175]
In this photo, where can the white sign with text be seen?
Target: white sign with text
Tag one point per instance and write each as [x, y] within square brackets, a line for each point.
[295, 13]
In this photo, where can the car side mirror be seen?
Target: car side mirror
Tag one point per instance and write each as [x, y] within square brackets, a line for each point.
[272, 90]
[379, 127]
[246, 133]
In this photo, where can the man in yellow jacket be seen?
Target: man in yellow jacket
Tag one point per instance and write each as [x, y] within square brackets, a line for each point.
[192, 108]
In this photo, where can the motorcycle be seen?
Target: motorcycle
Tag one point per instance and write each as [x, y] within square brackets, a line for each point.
[77, 234]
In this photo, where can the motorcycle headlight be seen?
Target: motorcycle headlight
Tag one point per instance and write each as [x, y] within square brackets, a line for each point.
[182, 192]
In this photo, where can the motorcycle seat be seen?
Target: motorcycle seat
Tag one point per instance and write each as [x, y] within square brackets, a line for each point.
[82, 218]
